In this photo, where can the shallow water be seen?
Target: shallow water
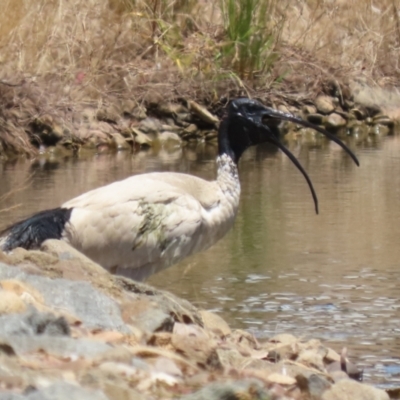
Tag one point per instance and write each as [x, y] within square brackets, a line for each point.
[282, 268]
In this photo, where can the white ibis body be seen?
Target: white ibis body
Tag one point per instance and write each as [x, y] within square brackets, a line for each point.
[146, 223]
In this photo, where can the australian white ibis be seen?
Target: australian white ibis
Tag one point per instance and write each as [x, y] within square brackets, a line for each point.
[145, 223]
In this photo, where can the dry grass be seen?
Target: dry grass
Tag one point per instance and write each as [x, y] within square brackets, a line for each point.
[66, 55]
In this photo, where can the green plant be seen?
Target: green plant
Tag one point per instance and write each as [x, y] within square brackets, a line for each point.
[249, 48]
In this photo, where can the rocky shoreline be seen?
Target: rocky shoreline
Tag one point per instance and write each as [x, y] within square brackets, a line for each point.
[33, 126]
[69, 329]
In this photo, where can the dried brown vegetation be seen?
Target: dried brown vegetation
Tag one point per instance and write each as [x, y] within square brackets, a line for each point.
[66, 55]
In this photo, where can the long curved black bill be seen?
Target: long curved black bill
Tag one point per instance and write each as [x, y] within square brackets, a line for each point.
[294, 160]
[280, 115]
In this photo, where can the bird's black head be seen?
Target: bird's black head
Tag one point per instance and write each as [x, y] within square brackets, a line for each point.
[248, 122]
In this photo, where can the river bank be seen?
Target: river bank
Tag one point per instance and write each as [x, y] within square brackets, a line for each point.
[30, 128]
[68, 326]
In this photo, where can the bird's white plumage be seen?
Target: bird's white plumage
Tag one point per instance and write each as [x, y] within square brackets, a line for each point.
[146, 223]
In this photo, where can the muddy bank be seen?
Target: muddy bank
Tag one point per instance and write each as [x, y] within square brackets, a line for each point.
[68, 326]
[30, 124]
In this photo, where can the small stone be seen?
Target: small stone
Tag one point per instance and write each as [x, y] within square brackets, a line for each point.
[311, 359]
[154, 320]
[309, 109]
[335, 121]
[325, 104]
[281, 379]
[168, 136]
[215, 323]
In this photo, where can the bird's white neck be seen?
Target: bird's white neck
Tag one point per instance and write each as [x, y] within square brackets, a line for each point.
[228, 176]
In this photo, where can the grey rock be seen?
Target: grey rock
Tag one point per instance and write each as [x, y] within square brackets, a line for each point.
[150, 125]
[154, 320]
[33, 323]
[66, 391]
[120, 142]
[11, 396]
[81, 299]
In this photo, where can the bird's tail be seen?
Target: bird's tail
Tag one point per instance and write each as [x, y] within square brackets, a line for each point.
[30, 233]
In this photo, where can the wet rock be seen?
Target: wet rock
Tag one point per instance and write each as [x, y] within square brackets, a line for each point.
[47, 130]
[120, 142]
[383, 120]
[142, 139]
[169, 137]
[317, 119]
[33, 323]
[325, 104]
[335, 121]
[351, 390]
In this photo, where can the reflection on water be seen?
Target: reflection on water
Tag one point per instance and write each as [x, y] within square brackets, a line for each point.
[282, 268]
